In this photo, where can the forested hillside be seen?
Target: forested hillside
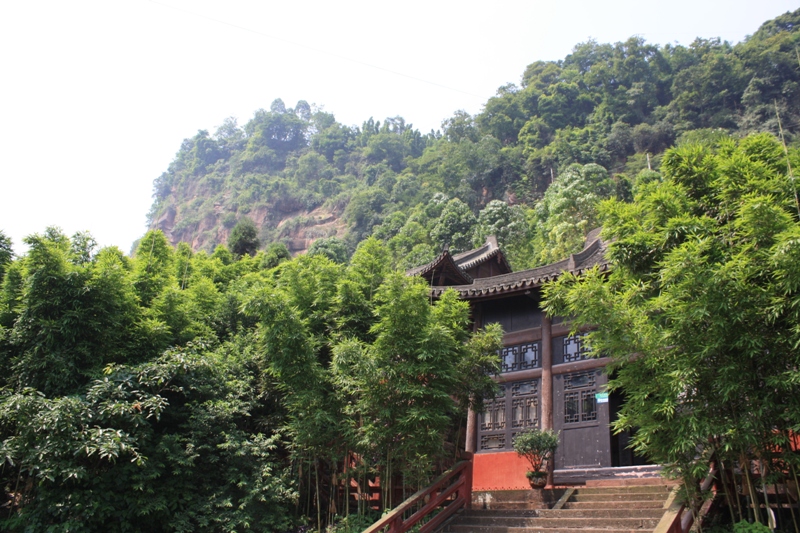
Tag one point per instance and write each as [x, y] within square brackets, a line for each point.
[301, 176]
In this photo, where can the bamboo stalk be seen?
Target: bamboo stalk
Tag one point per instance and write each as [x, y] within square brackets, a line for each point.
[346, 468]
[770, 517]
[796, 485]
[726, 491]
[319, 517]
[16, 491]
[753, 499]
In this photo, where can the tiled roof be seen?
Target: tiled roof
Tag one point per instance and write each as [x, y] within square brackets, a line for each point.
[444, 262]
[593, 254]
[458, 264]
[471, 258]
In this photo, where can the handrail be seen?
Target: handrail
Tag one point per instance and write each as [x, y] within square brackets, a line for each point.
[456, 480]
[678, 518]
[688, 518]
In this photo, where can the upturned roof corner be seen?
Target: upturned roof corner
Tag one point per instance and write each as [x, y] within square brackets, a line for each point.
[485, 271]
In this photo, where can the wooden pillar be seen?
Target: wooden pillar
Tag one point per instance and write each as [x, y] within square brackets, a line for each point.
[472, 426]
[547, 384]
[471, 444]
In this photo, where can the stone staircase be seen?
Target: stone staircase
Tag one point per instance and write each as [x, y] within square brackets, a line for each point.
[622, 509]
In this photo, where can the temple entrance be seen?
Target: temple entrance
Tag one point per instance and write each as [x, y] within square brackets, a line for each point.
[581, 415]
[621, 454]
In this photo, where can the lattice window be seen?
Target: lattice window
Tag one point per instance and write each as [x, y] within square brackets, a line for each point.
[515, 408]
[525, 388]
[493, 442]
[572, 407]
[525, 404]
[525, 412]
[520, 357]
[494, 417]
[575, 348]
[509, 357]
[580, 402]
[588, 405]
[580, 380]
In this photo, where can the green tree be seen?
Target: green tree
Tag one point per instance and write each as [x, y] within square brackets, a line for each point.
[6, 253]
[71, 320]
[699, 311]
[153, 266]
[455, 227]
[275, 254]
[506, 222]
[333, 248]
[399, 389]
[568, 211]
[243, 238]
[174, 444]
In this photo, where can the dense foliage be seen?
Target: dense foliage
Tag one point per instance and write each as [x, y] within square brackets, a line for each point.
[700, 311]
[202, 387]
[301, 175]
[175, 391]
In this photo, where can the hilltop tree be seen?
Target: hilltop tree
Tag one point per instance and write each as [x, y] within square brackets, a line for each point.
[243, 238]
[568, 211]
[333, 248]
[6, 253]
[455, 227]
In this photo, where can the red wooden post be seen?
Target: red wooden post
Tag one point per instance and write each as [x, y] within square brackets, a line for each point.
[468, 481]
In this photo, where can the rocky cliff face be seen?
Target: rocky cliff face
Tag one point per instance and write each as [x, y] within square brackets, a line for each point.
[298, 229]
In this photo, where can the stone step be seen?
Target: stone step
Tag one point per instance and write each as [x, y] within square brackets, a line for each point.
[455, 528]
[617, 509]
[645, 504]
[630, 482]
[520, 513]
[622, 512]
[511, 506]
[560, 523]
[580, 496]
[543, 496]
[627, 489]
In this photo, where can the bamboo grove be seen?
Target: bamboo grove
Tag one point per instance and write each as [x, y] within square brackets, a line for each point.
[197, 392]
[700, 315]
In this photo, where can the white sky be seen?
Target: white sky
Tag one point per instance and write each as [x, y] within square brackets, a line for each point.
[96, 96]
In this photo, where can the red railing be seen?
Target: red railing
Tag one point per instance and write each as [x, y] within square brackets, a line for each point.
[679, 518]
[448, 493]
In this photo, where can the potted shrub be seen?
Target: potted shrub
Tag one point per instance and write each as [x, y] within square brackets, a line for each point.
[537, 446]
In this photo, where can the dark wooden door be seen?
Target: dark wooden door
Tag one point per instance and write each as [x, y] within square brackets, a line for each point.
[582, 417]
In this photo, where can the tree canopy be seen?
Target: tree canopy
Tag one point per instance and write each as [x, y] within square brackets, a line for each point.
[182, 391]
[699, 312]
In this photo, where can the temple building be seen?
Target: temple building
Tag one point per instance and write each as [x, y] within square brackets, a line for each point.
[546, 380]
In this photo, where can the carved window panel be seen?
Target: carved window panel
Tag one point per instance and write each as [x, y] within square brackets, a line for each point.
[580, 400]
[525, 388]
[580, 380]
[493, 442]
[572, 407]
[527, 356]
[588, 405]
[525, 412]
[520, 357]
[575, 348]
[508, 357]
[515, 408]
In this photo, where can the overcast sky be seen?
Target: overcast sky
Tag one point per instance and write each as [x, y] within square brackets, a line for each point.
[96, 96]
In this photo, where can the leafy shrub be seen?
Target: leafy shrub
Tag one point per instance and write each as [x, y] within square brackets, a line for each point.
[355, 524]
[537, 446]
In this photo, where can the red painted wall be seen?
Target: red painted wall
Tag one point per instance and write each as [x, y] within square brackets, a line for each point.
[499, 471]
